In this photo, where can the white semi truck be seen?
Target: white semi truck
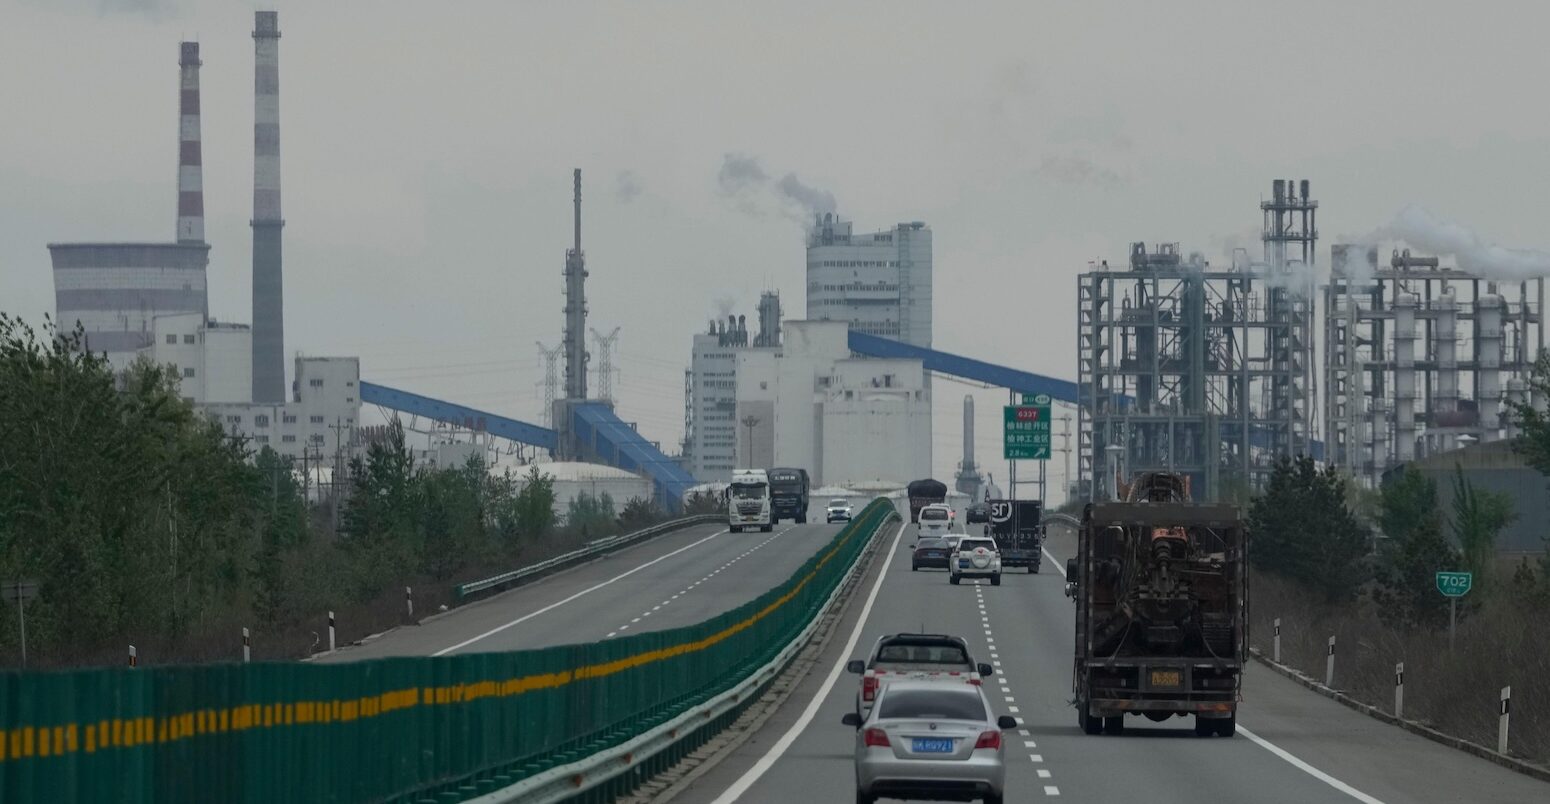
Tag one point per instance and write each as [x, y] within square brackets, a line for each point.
[748, 501]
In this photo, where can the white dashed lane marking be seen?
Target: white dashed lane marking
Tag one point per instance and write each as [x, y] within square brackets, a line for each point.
[712, 574]
[1006, 689]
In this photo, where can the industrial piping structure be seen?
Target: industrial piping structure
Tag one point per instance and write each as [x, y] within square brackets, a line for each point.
[267, 223]
[1395, 388]
[1199, 371]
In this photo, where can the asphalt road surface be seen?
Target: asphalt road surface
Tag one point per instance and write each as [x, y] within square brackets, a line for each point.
[678, 579]
[1292, 745]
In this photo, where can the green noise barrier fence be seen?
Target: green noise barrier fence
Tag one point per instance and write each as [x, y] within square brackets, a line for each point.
[404, 729]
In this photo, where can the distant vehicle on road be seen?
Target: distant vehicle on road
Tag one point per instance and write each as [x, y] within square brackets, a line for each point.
[930, 552]
[977, 513]
[1161, 591]
[838, 510]
[1018, 531]
[788, 490]
[923, 493]
[935, 520]
[748, 501]
[914, 657]
[977, 556]
[930, 741]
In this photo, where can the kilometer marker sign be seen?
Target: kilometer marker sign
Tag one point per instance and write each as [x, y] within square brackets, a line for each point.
[1454, 584]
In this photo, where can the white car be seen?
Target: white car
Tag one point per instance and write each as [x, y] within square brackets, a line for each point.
[838, 511]
[935, 521]
[977, 557]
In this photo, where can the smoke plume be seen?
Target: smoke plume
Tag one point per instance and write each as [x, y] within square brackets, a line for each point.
[627, 186]
[1078, 170]
[744, 181]
[1427, 234]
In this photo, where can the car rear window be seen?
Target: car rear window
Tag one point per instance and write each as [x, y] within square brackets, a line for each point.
[934, 514]
[928, 544]
[922, 654]
[970, 544]
[954, 703]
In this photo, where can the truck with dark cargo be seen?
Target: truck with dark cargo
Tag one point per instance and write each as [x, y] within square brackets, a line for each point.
[789, 490]
[1161, 591]
[1019, 534]
[923, 493]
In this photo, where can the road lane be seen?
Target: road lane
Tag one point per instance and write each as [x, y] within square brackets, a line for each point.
[677, 579]
[1026, 626]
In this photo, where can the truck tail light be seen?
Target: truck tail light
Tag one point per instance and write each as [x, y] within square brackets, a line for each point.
[877, 738]
[868, 688]
[988, 739]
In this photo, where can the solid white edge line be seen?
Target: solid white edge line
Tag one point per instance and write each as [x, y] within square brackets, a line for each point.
[1272, 747]
[763, 765]
[524, 618]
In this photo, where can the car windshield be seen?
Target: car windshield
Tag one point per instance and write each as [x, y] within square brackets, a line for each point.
[748, 492]
[934, 515]
[922, 654]
[972, 544]
[838, 504]
[928, 544]
[948, 703]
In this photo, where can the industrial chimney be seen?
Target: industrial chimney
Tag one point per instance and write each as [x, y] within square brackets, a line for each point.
[268, 287]
[576, 309]
[191, 189]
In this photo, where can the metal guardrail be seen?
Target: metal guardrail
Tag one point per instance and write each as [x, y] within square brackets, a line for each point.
[462, 593]
[589, 773]
[1063, 519]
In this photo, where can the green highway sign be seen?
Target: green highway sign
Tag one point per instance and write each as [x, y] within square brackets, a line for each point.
[1036, 399]
[1025, 434]
[1454, 584]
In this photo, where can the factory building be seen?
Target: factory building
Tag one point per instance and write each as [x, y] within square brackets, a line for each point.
[879, 283]
[1421, 357]
[319, 422]
[711, 425]
[847, 420]
[210, 357]
[115, 291]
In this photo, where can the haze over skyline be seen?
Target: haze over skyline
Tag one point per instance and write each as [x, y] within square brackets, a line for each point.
[428, 149]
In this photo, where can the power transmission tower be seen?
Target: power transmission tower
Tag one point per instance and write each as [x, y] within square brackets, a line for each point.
[551, 379]
[605, 363]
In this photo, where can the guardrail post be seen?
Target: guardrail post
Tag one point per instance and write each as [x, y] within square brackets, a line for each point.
[1276, 644]
[1329, 665]
[131, 655]
[409, 601]
[330, 631]
[247, 646]
[1501, 726]
[1399, 690]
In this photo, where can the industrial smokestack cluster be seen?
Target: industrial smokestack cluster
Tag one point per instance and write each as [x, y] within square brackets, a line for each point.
[191, 189]
[267, 223]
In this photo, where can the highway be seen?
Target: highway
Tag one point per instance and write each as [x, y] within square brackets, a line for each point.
[1292, 745]
[678, 579]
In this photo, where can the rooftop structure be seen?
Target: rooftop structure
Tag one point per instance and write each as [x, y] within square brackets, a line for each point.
[880, 283]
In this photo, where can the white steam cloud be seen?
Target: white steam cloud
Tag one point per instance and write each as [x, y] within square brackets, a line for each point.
[744, 181]
[1430, 235]
[1078, 170]
[627, 186]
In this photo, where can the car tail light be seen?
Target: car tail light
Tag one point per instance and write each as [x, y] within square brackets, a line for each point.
[988, 739]
[868, 688]
[877, 738]
[975, 681]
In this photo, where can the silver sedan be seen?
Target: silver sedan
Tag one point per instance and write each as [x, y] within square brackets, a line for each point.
[927, 740]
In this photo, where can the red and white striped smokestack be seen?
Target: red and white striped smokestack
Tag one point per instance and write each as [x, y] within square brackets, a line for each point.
[191, 188]
[266, 116]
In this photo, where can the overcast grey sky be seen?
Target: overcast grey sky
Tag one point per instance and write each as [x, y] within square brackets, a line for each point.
[428, 146]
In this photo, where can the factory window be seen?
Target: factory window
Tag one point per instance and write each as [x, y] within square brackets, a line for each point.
[188, 339]
[349, 399]
[317, 419]
[260, 420]
[315, 383]
[234, 419]
[172, 339]
[188, 372]
[349, 383]
[317, 438]
[288, 439]
[263, 439]
[288, 418]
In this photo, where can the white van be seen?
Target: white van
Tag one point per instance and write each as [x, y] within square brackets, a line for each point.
[748, 501]
[935, 520]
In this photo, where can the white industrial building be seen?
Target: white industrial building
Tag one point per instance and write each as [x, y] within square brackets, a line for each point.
[213, 359]
[880, 283]
[847, 420]
[710, 389]
[318, 425]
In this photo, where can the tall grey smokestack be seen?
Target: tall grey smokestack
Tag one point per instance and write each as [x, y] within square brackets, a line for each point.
[576, 309]
[191, 188]
[268, 287]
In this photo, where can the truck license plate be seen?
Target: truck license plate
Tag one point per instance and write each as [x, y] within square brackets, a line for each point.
[932, 745]
[1171, 679]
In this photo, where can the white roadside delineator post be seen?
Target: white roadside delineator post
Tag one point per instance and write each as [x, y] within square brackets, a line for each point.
[409, 601]
[247, 646]
[1276, 644]
[132, 656]
[1329, 665]
[1501, 726]
[330, 631]
[1399, 690]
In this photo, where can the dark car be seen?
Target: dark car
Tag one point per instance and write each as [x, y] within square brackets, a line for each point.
[931, 552]
[977, 513]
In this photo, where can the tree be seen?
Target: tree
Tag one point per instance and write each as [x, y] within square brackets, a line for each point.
[1414, 551]
[1479, 516]
[639, 513]
[703, 503]
[1407, 504]
[1303, 530]
[534, 509]
[589, 515]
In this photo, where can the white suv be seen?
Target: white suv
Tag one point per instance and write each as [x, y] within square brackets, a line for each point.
[977, 556]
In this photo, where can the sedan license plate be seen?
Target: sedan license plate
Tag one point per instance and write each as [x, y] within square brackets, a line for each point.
[964, 562]
[932, 745]
[1167, 679]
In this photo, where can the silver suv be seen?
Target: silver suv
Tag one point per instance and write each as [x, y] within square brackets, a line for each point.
[977, 556]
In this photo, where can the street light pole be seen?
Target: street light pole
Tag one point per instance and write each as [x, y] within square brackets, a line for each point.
[751, 422]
